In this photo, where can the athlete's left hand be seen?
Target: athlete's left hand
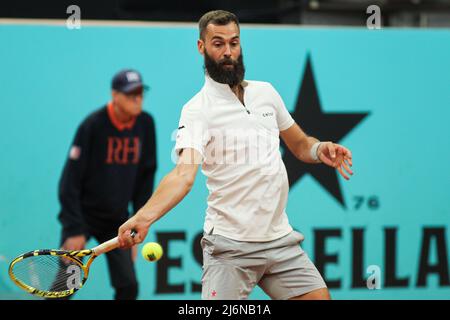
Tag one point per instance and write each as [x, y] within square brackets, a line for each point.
[336, 156]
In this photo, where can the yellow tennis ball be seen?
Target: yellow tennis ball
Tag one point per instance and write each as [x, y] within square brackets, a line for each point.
[152, 251]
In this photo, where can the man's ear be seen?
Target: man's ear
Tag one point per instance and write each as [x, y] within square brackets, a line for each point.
[201, 46]
[114, 95]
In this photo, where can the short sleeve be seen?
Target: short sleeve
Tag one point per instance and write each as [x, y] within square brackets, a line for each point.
[192, 130]
[284, 118]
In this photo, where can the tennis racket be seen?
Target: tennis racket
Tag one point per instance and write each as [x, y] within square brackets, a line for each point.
[52, 273]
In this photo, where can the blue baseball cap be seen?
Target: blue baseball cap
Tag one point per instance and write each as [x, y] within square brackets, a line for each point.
[127, 81]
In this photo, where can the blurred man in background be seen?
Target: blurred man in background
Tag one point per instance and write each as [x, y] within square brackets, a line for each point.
[111, 164]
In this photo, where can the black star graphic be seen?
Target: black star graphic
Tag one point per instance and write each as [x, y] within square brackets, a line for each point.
[323, 126]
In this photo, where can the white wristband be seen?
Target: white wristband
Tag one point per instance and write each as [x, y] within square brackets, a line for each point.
[313, 151]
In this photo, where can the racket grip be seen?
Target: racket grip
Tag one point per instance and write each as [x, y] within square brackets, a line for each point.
[109, 245]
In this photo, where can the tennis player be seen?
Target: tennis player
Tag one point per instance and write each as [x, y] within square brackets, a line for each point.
[232, 128]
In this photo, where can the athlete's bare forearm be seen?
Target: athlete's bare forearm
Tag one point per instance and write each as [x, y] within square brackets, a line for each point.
[171, 190]
[299, 143]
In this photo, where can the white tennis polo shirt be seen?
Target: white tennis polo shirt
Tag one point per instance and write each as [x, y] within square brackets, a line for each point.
[246, 177]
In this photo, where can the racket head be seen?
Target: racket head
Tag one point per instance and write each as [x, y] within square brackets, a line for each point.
[50, 273]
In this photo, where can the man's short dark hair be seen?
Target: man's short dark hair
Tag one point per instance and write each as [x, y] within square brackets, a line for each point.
[216, 17]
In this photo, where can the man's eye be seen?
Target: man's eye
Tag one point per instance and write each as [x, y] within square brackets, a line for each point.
[217, 44]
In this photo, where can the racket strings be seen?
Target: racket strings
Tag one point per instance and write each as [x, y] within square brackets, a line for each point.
[49, 273]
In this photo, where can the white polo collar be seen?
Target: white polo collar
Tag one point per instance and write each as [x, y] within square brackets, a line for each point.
[220, 89]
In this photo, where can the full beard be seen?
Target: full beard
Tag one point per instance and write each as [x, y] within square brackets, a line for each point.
[219, 72]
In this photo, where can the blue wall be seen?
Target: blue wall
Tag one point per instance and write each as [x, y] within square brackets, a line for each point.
[52, 77]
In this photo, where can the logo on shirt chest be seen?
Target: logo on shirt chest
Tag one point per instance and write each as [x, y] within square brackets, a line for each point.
[123, 150]
[267, 117]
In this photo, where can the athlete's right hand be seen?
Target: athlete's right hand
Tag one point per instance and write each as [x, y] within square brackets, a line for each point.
[74, 243]
[138, 223]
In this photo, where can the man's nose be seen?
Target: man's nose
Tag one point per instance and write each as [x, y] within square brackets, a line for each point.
[227, 53]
